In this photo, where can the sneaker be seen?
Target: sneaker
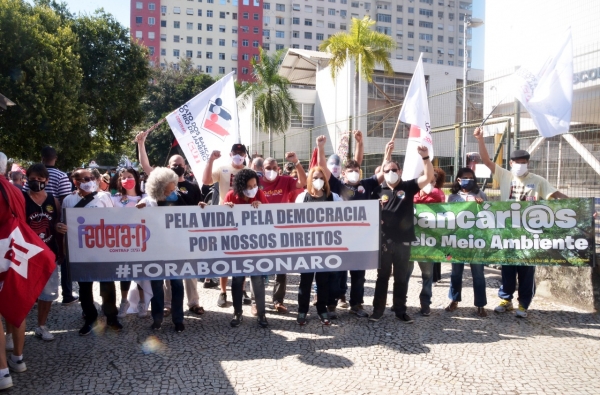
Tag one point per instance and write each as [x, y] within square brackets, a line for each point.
[5, 382]
[69, 300]
[85, 329]
[43, 332]
[343, 303]
[405, 318]
[325, 319]
[115, 325]
[331, 312]
[10, 344]
[425, 311]
[210, 284]
[18, 367]
[504, 306]
[301, 320]
[253, 310]
[222, 301]
[236, 320]
[376, 316]
[179, 327]
[481, 312]
[141, 310]
[521, 312]
[123, 309]
[262, 321]
[156, 326]
[280, 308]
[451, 307]
[247, 299]
[359, 311]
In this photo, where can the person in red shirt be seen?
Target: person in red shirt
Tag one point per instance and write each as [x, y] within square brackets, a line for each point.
[245, 191]
[280, 189]
[430, 272]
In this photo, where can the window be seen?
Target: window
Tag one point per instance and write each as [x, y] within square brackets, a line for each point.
[176, 24]
[278, 47]
[176, 52]
[234, 16]
[464, 6]
[295, 7]
[384, 30]
[279, 20]
[354, 4]
[428, 25]
[440, 14]
[189, 25]
[342, 26]
[399, 33]
[139, 34]
[245, 56]
[266, 33]
[151, 35]
[234, 29]
[411, 34]
[306, 118]
[176, 10]
[295, 46]
[209, 27]
[451, 16]
[199, 26]
[163, 52]
[384, 18]
[221, 70]
[308, 22]
[163, 37]
[199, 12]
[279, 34]
[450, 63]
[255, 57]
[308, 9]
[450, 28]
[221, 42]
[450, 40]
[246, 15]
[209, 55]
[279, 7]
[430, 2]
[295, 21]
[163, 23]
[331, 25]
[199, 40]
[331, 11]
[139, 5]
[209, 68]
[410, 58]
[398, 8]
[255, 30]
[163, 9]
[320, 36]
[411, 10]
[188, 40]
[332, 1]
[209, 41]
[295, 34]
[222, 15]
[308, 47]
[234, 56]
[175, 39]
[244, 70]
[424, 48]
[411, 22]
[245, 43]
[245, 29]
[440, 39]
[423, 36]
[209, 13]
[440, 26]
[398, 21]
[234, 43]
[425, 12]
[461, 52]
[222, 29]
[266, 46]
[440, 61]
[139, 20]
[320, 11]
[151, 7]
[343, 1]
[255, 43]
[189, 11]
[266, 6]
[308, 35]
[343, 13]
[188, 54]
[221, 56]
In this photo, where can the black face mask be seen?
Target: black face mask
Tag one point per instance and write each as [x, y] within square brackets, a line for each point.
[36, 185]
[178, 170]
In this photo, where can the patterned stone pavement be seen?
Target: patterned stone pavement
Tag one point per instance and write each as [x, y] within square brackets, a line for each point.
[554, 351]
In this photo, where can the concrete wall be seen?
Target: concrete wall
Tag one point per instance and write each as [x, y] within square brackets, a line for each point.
[578, 287]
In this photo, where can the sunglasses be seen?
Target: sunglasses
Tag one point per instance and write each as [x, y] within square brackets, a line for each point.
[86, 179]
[392, 170]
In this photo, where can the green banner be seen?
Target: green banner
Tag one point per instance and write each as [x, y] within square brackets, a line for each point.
[547, 232]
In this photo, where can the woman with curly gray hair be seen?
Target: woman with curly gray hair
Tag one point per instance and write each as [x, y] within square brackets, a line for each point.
[161, 188]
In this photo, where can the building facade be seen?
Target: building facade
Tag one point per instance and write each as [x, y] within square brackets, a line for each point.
[221, 36]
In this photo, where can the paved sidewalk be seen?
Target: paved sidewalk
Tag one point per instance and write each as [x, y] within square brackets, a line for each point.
[554, 351]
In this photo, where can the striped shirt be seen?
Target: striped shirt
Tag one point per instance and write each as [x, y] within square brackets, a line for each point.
[58, 183]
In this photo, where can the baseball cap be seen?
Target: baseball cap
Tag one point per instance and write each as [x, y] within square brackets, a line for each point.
[239, 148]
[48, 152]
[519, 154]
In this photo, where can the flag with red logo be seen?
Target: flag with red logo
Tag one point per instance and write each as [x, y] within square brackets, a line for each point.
[26, 263]
[415, 111]
[207, 122]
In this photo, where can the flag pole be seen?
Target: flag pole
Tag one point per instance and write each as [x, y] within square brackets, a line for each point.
[395, 129]
[491, 112]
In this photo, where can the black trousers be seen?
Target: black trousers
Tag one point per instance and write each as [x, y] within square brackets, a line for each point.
[109, 301]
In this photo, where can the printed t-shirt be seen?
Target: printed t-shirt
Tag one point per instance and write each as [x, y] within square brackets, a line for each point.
[224, 175]
[397, 210]
[361, 191]
[279, 190]
[531, 187]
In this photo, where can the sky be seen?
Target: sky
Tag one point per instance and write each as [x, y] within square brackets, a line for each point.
[120, 10]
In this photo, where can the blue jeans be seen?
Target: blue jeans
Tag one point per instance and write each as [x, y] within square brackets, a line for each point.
[478, 283]
[237, 293]
[357, 287]
[427, 278]
[526, 275]
[157, 302]
[394, 255]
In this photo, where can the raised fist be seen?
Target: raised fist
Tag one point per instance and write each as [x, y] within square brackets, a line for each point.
[423, 151]
[215, 155]
[321, 140]
[291, 157]
[358, 136]
[478, 133]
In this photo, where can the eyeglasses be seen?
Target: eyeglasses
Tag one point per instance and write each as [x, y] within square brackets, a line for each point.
[393, 170]
[86, 179]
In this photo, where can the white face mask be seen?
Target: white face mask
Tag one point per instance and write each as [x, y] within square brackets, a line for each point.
[427, 189]
[88, 186]
[237, 160]
[318, 184]
[518, 169]
[335, 170]
[270, 175]
[251, 192]
[352, 177]
[391, 177]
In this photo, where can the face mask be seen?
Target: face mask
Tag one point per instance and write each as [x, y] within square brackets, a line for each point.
[518, 169]
[250, 193]
[318, 184]
[112, 174]
[88, 186]
[178, 170]
[36, 185]
[270, 175]
[391, 178]
[335, 170]
[172, 197]
[467, 185]
[352, 177]
[427, 189]
[237, 160]
[128, 184]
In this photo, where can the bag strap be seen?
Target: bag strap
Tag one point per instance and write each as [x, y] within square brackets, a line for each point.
[86, 199]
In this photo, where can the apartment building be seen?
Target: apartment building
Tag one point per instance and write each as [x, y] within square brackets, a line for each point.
[221, 36]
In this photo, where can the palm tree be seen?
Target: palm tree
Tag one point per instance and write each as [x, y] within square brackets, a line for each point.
[271, 95]
[367, 48]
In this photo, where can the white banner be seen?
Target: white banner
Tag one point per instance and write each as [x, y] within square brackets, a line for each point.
[206, 123]
[186, 242]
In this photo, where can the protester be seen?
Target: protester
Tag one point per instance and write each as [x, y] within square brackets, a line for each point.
[128, 195]
[520, 185]
[88, 197]
[245, 191]
[430, 193]
[257, 166]
[350, 187]
[465, 189]
[224, 175]
[42, 212]
[161, 188]
[397, 232]
[16, 178]
[104, 183]
[317, 190]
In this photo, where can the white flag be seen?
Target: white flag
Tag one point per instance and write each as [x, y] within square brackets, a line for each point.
[546, 92]
[415, 111]
[206, 123]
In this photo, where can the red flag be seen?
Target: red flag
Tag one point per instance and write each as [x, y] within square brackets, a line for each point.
[174, 142]
[314, 159]
[26, 263]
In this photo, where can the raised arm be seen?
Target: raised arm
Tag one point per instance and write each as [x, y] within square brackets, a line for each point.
[291, 157]
[358, 147]
[485, 156]
[140, 139]
[207, 174]
[387, 156]
[321, 140]
[428, 172]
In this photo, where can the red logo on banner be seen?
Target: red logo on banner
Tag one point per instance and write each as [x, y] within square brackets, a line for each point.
[217, 119]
